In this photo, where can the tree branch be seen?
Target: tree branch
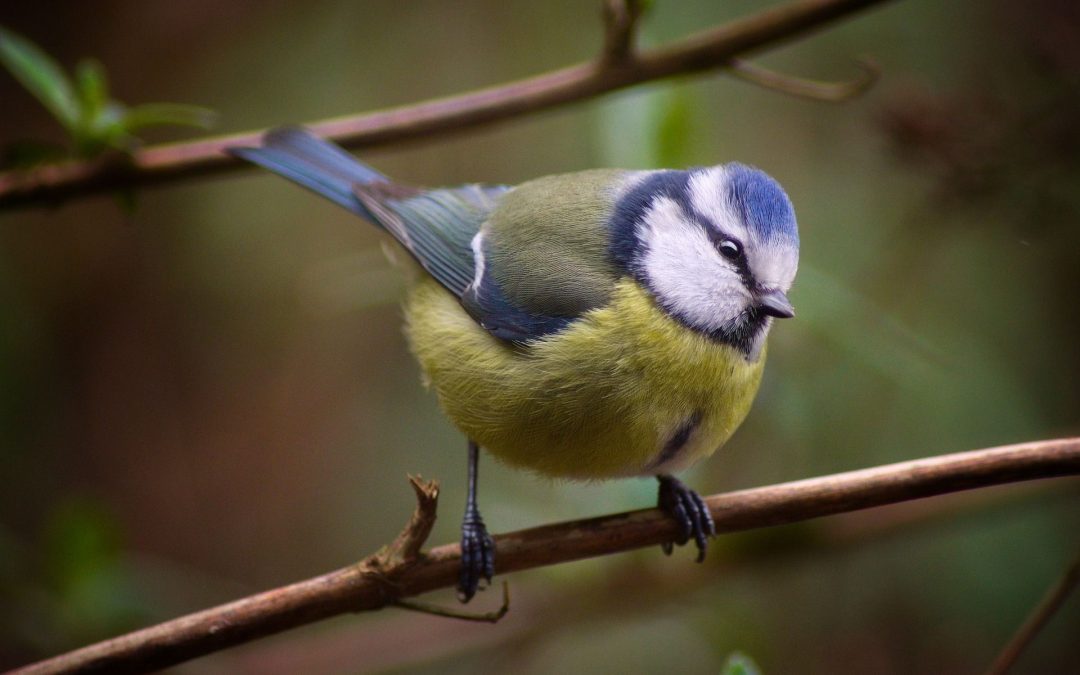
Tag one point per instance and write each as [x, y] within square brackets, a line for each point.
[618, 67]
[577, 602]
[356, 588]
[815, 90]
[620, 24]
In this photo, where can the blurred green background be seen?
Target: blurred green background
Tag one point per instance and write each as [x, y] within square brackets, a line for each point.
[211, 395]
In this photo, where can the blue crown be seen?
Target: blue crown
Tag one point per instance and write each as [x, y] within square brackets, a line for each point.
[762, 203]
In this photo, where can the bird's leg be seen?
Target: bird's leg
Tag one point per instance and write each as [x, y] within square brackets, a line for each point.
[689, 511]
[477, 548]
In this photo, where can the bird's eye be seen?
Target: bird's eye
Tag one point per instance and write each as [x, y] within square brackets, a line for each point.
[730, 249]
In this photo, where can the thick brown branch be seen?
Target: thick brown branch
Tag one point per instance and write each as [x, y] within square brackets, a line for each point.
[580, 601]
[355, 589]
[167, 163]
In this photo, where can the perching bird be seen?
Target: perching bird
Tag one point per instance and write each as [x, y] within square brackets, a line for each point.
[588, 325]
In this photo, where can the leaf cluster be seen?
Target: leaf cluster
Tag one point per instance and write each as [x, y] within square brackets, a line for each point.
[95, 122]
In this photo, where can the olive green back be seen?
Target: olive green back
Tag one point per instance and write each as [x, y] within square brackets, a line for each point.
[547, 242]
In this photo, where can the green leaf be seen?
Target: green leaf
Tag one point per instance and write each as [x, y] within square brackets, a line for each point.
[739, 664]
[160, 114]
[93, 87]
[100, 123]
[105, 130]
[94, 122]
[41, 75]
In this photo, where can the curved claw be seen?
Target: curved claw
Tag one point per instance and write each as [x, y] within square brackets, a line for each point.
[689, 511]
[477, 557]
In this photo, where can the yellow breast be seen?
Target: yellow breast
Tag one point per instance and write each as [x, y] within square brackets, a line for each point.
[625, 390]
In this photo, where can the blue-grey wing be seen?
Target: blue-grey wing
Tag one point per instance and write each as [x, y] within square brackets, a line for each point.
[440, 229]
[507, 318]
[437, 227]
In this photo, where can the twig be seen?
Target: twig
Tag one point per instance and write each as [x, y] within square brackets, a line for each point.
[437, 610]
[1051, 602]
[710, 49]
[354, 588]
[620, 22]
[406, 547]
[833, 92]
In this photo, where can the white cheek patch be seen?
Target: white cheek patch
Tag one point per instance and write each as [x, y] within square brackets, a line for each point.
[685, 272]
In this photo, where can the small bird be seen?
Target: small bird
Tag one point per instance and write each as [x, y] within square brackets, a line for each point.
[589, 325]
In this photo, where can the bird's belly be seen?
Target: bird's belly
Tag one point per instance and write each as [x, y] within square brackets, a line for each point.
[625, 390]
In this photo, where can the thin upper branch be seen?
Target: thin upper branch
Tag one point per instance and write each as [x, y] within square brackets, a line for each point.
[618, 67]
[1039, 617]
[356, 588]
[816, 90]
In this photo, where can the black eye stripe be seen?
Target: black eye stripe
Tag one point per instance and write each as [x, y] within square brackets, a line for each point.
[742, 266]
[722, 241]
[719, 239]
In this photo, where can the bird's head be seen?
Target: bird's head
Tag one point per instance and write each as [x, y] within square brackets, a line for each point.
[717, 248]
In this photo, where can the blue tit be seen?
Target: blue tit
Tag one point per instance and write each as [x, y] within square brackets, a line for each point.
[589, 325]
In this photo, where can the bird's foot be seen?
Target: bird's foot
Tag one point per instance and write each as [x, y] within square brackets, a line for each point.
[689, 511]
[477, 556]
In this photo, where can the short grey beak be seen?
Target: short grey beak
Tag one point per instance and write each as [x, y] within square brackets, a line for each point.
[775, 303]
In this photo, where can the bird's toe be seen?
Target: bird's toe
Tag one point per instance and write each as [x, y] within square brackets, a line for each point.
[689, 511]
[477, 558]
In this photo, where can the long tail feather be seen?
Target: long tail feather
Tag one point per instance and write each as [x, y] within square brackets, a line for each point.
[314, 163]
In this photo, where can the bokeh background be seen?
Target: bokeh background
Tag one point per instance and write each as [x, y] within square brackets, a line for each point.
[211, 395]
